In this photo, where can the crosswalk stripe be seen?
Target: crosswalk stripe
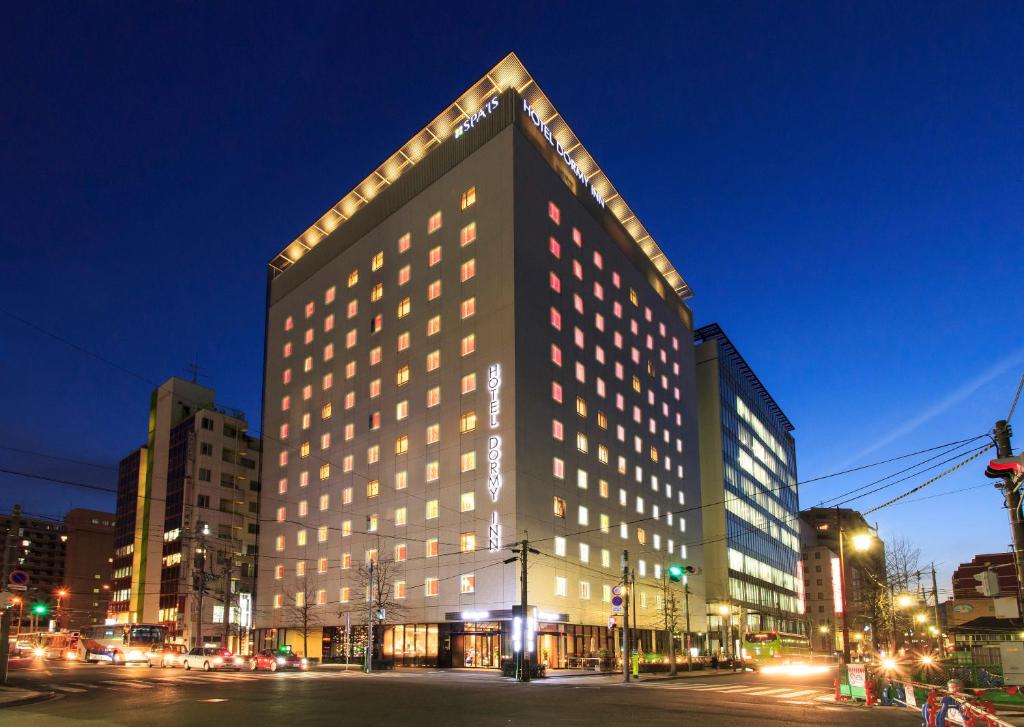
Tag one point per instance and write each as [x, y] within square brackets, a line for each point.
[769, 691]
[65, 688]
[804, 693]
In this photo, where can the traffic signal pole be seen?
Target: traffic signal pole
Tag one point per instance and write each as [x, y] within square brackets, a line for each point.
[368, 667]
[689, 652]
[1013, 504]
[626, 653]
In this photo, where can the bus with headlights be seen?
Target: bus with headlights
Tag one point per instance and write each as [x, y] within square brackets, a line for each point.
[776, 651]
[120, 643]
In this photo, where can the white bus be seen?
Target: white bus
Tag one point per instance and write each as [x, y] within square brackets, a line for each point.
[120, 643]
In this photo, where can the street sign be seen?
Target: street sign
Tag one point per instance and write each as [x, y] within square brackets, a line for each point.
[611, 622]
[616, 604]
[13, 587]
[617, 590]
[18, 578]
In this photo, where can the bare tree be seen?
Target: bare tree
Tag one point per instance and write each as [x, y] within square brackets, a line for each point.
[667, 617]
[387, 607]
[302, 610]
[902, 563]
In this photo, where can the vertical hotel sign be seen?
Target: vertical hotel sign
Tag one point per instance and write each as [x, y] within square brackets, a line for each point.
[494, 480]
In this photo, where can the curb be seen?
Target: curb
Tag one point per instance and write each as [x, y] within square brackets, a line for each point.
[31, 699]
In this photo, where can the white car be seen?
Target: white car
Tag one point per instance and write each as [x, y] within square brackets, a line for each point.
[210, 658]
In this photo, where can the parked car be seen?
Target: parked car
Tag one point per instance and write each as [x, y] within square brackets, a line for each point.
[274, 660]
[210, 658]
[167, 655]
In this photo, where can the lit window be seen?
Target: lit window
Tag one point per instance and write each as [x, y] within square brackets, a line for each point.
[400, 513]
[325, 501]
[404, 307]
[371, 554]
[433, 471]
[401, 480]
[431, 548]
[468, 461]
[584, 590]
[321, 534]
[559, 507]
[375, 388]
[278, 572]
[434, 325]
[328, 352]
[401, 410]
[329, 323]
[433, 396]
[605, 523]
[558, 468]
[468, 344]
[402, 444]
[434, 223]
[554, 247]
[304, 449]
[559, 546]
[467, 270]
[583, 516]
[577, 336]
[282, 486]
[556, 391]
[350, 338]
[430, 587]
[467, 583]
[581, 373]
[554, 282]
[432, 509]
[467, 422]
[377, 292]
[467, 502]
[467, 542]
[325, 440]
[307, 364]
[404, 275]
[469, 198]
[468, 383]
[286, 377]
[433, 433]
[581, 442]
[467, 308]
[632, 297]
[402, 376]
[310, 307]
[403, 341]
[353, 308]
[345, 594]
[577, 269]
[557, 430]
[375, 356]
[350, 370]
[561, 586]
[376, 323]
[404, 243]
[373, 454]
[577, 237]
[279, 543]
[577, 302]
[434, 256]
[581, 479]
[325, 471]
[556, 355]
[328, 381]
[300, 537]
[581, 406]
[284, 431]
[377, 262]
[554, 213]
[401, 552]
[287, 350]
[353, 278]
[434, 290]
[433, 360]
[346, 496]
[556, 319]
[278, 600]
[467, 234]
[289, 323]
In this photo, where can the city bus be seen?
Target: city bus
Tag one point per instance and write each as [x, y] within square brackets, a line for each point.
[776, 649]
[119, 643]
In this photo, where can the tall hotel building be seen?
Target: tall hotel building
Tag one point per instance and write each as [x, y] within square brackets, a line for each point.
[750, 499]
[480, 344]
[187, 509]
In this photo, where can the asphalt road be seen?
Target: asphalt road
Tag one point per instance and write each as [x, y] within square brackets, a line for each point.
[103, 694]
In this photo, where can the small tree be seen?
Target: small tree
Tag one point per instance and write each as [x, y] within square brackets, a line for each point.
[302, 611]
[386, 605]
[668, 617]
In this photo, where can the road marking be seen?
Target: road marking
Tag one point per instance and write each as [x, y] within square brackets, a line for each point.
[82, 684]
[805, 693]
[65, 688]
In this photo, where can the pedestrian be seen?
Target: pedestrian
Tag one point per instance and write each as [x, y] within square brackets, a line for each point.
[714, 662]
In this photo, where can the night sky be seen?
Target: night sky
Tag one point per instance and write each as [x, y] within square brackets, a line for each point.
[840, 183]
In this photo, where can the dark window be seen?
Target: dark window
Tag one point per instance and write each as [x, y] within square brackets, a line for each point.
[206, 448]
[203, 501]
[207, 424]
[204, 475]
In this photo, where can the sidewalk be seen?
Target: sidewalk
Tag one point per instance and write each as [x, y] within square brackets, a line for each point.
[682, 674]
[13, 697]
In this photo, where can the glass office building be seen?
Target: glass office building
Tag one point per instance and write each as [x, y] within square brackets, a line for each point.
[750, 498]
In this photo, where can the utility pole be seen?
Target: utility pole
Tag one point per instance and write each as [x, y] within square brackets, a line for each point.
[625, 616]
[689, 653]
[670, 622]
[200, 562]
[842, 587]
[5, 610]
[368, 656]
[524, 671]
[935, 596]
[1013, 503]
[228, 563]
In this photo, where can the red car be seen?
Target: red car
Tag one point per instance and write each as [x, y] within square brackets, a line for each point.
[276, 660]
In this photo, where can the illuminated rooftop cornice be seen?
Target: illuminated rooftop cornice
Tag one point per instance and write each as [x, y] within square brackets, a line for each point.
[508, 73]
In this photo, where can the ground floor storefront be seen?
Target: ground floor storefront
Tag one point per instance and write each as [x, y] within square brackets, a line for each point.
[482, 643]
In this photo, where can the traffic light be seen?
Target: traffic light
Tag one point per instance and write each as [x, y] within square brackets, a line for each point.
[989, 583]
[1005, 468]
[675, 573]
[40, 609]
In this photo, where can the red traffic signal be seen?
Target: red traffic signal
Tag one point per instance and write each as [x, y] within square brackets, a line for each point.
[1005, 468]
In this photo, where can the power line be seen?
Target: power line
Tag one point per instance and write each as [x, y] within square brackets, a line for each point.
[887, 461]
[933, 479]
[1016, 398]
[60, 458]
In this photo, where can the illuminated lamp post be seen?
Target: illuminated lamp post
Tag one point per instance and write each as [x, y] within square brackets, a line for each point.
[61, 594]
[861, 542]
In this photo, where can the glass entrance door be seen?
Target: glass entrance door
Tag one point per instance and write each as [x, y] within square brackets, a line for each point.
[476, 651]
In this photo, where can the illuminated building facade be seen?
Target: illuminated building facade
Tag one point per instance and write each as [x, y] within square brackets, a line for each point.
[187, 513]
[479, 345]
[750, 498]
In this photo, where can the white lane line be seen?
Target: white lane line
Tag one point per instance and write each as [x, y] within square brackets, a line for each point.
[66, 688]
[805, 693]
[769, 691]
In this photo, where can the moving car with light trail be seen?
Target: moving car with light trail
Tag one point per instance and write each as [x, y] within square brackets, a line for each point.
[212, 658]
[276, 660]
[167, 655]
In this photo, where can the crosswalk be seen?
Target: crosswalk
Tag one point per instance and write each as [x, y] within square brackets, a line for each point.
[182, 680]
[792, 694]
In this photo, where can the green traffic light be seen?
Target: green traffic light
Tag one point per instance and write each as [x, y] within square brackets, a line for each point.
[40, 609]
[675, 573]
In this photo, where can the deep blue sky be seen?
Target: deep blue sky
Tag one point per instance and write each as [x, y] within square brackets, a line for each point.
[841, 184]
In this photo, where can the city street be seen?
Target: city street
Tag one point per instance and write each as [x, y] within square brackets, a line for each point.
[130, 695]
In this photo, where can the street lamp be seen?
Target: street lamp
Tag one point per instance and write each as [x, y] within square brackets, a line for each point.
[61, 594]
[725, 611]
[861, 543]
